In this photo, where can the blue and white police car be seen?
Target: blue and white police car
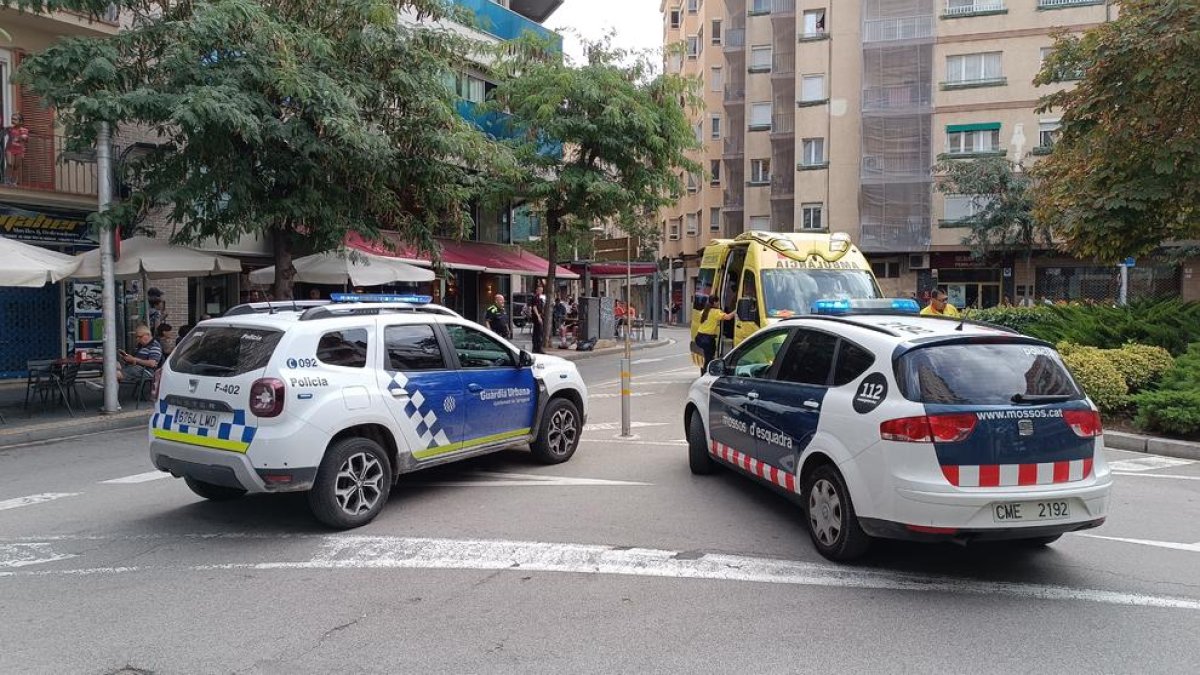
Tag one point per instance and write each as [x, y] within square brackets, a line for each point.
[883, 423]
[339, 399]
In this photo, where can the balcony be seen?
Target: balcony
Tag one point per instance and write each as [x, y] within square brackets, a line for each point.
[734, 199]
[505, 24]
[733, 225]
[781, 9]
[899, 29]
[893, 237]
[783, 126]
[735, 93]
[976, 8]
[734, 40]
[783, 66]
[499, 126]
[48, 166]
[883, 167]
[897, 97]
[734, 147]
[1064, 4]
[783, 186]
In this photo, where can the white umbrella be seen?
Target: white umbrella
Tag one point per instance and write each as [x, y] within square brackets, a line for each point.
[146, 258]
[31, 266]
[361, 269]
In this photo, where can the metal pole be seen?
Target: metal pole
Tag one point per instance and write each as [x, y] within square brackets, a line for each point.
[655, 302]
[626, 363]
[107, 270]
[1123, 296]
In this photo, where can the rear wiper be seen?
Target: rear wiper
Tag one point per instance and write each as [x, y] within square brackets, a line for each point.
[1041, 398]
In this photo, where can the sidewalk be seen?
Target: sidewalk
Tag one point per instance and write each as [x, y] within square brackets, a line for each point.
[667, 335]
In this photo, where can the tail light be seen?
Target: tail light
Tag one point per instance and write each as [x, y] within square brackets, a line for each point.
[266, 397]
[928, 428]
[1085, 423]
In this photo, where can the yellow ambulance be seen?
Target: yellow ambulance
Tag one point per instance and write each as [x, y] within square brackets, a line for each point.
[768, 276]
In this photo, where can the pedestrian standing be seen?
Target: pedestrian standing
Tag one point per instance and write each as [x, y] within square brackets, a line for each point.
[16, 140]
[537, 315]
[939, 305]
[497, 317]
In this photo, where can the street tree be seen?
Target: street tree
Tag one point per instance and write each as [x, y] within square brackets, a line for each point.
[1002, 205]
[605, 140]
[1124, 175]
[301, 120]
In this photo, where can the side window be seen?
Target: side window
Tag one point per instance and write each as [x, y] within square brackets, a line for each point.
[809, 358]
[476, 350]
[852, 362]
[413, 347]
[756, 359]
[345, 348]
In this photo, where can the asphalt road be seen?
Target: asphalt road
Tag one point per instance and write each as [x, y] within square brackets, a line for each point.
[619, 560]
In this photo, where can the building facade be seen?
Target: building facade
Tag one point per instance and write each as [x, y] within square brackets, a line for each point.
[829, 116]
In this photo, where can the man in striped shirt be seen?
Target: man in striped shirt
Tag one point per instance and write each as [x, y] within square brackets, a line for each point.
[143, 363]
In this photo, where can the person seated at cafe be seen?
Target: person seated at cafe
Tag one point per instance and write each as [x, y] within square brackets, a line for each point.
[164, 334]
[143, 362]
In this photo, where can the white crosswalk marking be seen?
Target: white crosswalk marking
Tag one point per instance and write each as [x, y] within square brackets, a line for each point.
[137, 478]
[34, 499]
[1148, 463]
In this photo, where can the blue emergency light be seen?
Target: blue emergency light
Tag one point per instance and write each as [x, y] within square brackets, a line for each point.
[380, 297]
[866, 306]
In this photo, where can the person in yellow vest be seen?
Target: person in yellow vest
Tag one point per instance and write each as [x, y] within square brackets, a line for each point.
[709, 329]
[939, 306]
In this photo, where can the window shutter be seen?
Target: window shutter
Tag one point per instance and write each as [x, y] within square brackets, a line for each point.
[37, 169]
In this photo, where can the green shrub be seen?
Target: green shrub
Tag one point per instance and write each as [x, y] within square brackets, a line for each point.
[1170, 324]
[1174, 406]
[1099, 378]
[1065, 347]
[1141, 365]
[1019, 319]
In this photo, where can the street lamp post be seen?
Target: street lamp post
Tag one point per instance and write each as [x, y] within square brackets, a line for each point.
[627, 362]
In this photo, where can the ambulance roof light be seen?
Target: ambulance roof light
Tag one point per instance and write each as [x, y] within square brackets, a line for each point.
[839, 241]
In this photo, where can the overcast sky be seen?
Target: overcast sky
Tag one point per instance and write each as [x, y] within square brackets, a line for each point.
[637, 22]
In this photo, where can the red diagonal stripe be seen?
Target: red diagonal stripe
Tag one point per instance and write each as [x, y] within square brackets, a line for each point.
[1087, 467]
[989, 475]
[1062, 472]
[950, 471]
[790, 481]
[1027, 474]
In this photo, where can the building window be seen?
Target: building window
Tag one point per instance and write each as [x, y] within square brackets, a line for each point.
[760, 6]
[714, 219]
[693, 46]
[470, 88]
[716, 31]
[814, 23]
[974, 68]
[886, 269]
[760, 223]
[760, 171]
[718, 78]
[760, 59]
[813, 152]
[693, 224]
[813, 88]
[972, 138]
[967, 7]
[715, 122]
[693, 185]
[714, 171]
[673, 229]
[698, 131]
[693, 6]
[964, 207]
[811, 216]
[675, 18]
[1048, 133]
[760, 116]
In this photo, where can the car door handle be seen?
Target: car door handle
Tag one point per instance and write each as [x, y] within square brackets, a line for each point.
[812, 404]
[753, 396]
[399, 393]
[474, 388]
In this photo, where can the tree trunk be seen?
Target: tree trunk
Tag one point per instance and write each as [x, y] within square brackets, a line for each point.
[552, 228]
[281, 245]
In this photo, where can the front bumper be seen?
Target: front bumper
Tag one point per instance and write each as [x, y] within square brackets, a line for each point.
[226, 468]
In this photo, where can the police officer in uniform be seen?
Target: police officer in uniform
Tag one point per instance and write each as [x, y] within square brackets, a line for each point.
[497, 318]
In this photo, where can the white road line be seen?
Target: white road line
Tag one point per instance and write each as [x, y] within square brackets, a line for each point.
[1194, 548]
[632, 394]
[1155, 475]
[660, 358]
[26, 554]
[137, 478]
[1148, 463]
[502, 479]
[609, 426]
[356, 552]
[609, 441]
[34, 499]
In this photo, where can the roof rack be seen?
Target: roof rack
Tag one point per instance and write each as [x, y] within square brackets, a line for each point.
[330, 311]
[274, 306]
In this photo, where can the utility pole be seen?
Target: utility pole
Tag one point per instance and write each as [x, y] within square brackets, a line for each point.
[107, 269]
[655, 303]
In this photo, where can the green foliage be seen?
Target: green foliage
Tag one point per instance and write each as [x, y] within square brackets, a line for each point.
[1003, 201]
[1174, 406]
[1169, 324]
[1141, 365]
[1017, 318]
[1124, 175]
[1100, 379]
[301, 119]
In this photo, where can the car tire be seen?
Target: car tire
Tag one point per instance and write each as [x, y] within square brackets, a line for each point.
[699, 461]
[213, 493]
[830, 516]
[1038, 542]
[558, 434]
[352, 485]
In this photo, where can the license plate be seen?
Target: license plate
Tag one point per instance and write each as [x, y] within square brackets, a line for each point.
[1019, 512]
[195, 418]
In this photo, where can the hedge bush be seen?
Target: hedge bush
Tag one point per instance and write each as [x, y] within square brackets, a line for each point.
[1100, 379]
[1174, 406]
[1170, 324]
[1141, 365]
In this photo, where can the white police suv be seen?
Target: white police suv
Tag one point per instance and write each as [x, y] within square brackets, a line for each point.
[887, 424]
[340, 399]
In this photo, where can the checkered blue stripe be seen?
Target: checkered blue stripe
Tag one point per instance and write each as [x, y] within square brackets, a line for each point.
[422, 417]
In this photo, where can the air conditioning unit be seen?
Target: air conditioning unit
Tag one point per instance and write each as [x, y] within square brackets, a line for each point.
[918, 261]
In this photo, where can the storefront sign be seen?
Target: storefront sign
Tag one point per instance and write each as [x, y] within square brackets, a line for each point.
[45, 225]
[954, 260]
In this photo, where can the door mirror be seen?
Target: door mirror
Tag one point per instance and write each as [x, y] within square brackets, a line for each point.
[747, 310]
[524, 359]
[716, 368]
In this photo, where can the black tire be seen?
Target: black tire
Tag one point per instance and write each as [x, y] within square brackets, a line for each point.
[214, 493]
[558, 433]
[834, 527]
[699, 461]
[1038, 542]
[360, 466]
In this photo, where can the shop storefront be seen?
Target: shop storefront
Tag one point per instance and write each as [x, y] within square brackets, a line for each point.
[972, 282]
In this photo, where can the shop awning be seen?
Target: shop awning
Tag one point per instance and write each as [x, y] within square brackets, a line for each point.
[478, 256]
[608, 270]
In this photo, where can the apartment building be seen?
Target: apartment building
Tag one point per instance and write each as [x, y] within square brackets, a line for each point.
[829, 116]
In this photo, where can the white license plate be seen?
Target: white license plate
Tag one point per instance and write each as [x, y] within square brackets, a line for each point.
[1023, 512]
[197, 418]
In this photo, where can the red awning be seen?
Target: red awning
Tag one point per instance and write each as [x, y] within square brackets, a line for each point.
[477, 256]
[608, 270]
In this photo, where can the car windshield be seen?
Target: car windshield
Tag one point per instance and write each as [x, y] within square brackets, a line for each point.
[224, 350]
[985, 374]
[789, 291]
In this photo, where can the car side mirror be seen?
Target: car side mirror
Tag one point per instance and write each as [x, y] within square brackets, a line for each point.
[716, 367]
[524, 359]
[747, 310]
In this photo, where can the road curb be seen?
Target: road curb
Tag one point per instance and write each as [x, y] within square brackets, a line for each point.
[572, 355]
[63, 429]
[1152, 445]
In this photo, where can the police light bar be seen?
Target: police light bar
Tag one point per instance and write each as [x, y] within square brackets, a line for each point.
[380, 297]
[866, 306]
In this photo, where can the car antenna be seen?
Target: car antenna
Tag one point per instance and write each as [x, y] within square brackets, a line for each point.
[962, 319]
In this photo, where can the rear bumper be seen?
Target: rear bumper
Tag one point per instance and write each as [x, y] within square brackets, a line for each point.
[226, 468]
[887, 529]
